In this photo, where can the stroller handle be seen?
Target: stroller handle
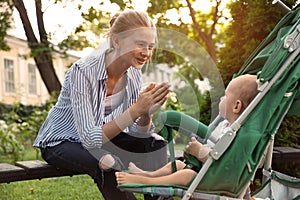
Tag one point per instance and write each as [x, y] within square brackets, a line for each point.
[183, 123]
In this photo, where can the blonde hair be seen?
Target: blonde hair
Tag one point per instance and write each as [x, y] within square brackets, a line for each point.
[128, 20]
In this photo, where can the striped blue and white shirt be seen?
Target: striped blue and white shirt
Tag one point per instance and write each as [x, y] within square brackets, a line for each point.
[79, 113]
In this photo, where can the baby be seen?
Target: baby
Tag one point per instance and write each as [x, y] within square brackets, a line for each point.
[238, 95]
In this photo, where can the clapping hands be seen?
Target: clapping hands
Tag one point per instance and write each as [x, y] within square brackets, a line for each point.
[152, 98]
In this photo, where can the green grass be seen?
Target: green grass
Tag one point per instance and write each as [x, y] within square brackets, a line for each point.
[62, 188]
[80, 187]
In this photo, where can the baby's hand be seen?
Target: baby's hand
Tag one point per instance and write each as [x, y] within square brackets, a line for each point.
[194, 147]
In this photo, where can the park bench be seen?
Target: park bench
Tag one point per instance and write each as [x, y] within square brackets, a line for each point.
[31, 169]
[36, 169]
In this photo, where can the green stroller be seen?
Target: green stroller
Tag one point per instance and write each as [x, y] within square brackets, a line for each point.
[237, 155]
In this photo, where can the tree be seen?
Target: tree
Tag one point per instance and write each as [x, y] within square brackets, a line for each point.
[247, 29]
[203, 28]
[5, 23]
[41, 49]
[252, 21]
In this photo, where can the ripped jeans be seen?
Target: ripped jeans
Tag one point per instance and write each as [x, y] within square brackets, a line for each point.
[147, 153]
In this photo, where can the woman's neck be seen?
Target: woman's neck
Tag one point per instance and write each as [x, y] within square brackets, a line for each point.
[115, 66]
[115, 71]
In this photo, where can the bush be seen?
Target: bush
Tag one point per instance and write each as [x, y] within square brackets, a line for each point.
[289, 131]
[9, 145]
[19, 127]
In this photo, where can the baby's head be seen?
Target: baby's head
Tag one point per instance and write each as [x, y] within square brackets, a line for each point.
[238, 95]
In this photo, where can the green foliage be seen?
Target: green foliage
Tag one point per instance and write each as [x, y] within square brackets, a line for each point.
[173, 103]
[5, 22]
[74, 42]
[20, 126]
[206, 108]
[95, 21]
[247, 29]
[9, 145]
[289, 132]
[252, 21]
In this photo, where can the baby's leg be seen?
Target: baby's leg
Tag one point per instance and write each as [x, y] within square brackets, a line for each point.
[133, 169]
[165, 170]
[181, 177]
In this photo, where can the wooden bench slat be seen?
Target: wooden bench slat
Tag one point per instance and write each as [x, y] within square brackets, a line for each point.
[287, 152]
[32, 164]
[36, 166]
[28, 170]
[9, 173]
[6, 166]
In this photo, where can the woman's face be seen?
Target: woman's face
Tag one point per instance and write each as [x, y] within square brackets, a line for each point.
[136, 48]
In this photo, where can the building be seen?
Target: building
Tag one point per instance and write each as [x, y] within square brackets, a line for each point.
[20, 80]
[160, 73]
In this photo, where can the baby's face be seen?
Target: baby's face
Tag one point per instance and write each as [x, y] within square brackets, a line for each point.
[226, 103]
[222, 106]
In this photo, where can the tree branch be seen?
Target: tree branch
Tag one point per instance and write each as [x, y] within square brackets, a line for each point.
[207, 39]
[202, 35]
[215, 17]
[40, 51]
[40, 21]
[19, 4]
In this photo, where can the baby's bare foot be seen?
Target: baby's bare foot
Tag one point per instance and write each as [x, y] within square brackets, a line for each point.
[123, 177]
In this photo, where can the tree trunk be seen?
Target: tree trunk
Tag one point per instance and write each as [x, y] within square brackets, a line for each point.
[40, 50]
[206, 38]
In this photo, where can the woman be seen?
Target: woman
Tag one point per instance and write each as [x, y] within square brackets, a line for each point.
[100, 108]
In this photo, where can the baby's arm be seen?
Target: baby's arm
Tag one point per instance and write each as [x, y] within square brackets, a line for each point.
[198, 150]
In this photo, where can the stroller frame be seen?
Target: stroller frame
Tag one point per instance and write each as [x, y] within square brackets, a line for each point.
[224, 142]
[292, 44]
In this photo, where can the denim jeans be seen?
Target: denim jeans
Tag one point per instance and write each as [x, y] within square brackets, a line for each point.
[142, 151]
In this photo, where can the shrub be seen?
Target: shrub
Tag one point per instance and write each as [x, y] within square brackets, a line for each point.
[19, 127]
[9, 145]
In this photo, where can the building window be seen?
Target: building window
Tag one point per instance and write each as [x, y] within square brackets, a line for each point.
[32, 82]
[9, 76]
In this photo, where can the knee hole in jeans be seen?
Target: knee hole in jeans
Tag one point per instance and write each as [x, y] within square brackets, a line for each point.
[106, 162]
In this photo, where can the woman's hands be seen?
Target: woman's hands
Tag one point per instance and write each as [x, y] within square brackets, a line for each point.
[152, 98]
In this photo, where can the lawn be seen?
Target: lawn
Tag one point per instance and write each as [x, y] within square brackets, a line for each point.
[79, 187]
[63, 188]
